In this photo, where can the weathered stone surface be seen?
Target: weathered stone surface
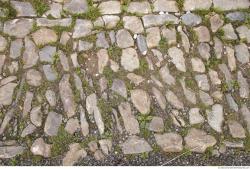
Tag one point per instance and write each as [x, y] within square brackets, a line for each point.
[214, 77]
[242, 53]
[195, 117]
[169, 142]
[34, 77]
[231, 58]
[191, 19]
[65, 22]
[170, 35]
[110, 7]
[27, 103]
[141, 100]
[142, 44]
[188, 93]
[72, 125]
[44, 36]
[39, 147]
[205, 98]
[231, 102]
[130, 123]
[18, 27]
[159, 98]
[84, 45]
[83, 122]
[67, 96]
[165, 6]
[156, 124]
[76, 6]
[135, 145]
[166, 76]
[246, 115]
[30, 54]
[173, 100]
[204, 50]
[50, 73]
[36, 116]
[198, 140]
[136, 79]
[55, 10]
[106, 145]
[129, 59]
[15, 48]
[10, 151]
[198, 65]
[133, 23]
[226, 5]
[177, 58]
[28, 130]
[124, 39]
[23, 8]
[91, 106]
[82, 28]
[139, 7]
[47, 53]
[229, 33]
[215, 117]
[110, 21]
[158, 20]
[51, 97]
[202, 33]
[153, 37]
[103, 59]
[6, 93]
[216, 22]
[236, 129]
[74, 154]
[101, 41]
[202, 82]
[244, 86]
[3, 43]
[244, 33]
[52, 123]
[191, 5]
[119, 87]
[236, 16]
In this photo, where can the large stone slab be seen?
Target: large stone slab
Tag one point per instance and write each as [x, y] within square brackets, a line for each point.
[135, 145]
[227, 5]
[18, 27]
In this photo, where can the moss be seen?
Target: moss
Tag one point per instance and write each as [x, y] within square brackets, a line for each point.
[92, 14]
[186, 152]
[8, 10]
[163, 45]
[208, 153]
[115, 53]
[168, 124]
[109, 74]
[143, 123]
[183, 132]
[119, 25]
[224, 87]
[143, 69]
[235, 84]
[220, 33]
[247, 143]
[212, 62]
[144, 155]
[61, 141]
[41, 6]
[190, 83]
[180, 4]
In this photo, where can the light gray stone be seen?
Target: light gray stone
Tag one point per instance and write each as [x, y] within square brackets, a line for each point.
[159, 98]
[246, 115]
[226, 5]
[170, 35]
[202, 33]
[156, 124]
[141, 100]
[215, 117]
[195, 117]
[23, 8]
[236, 16]
[135, 145]
[124, 39]
[34, 77]
[52, 123]
[110, 7]
[84, 45]
[10, 151]
[188, 93]
[216, 22]
[236, 129]
[75, 153]
[129, 59]
[44, 22]
[165, 6]
[198, 141]
[36, 116]
[110, 21]
[3, 43]
[153, 37]
[72, 125]
[18, 27]
[158, 20]
[142, 44]
[244, 86]
[6, 93]
[169, 142]
[166, 76]
[83, 122]
[82, 28]
[202, 82]
[101, 41]
[191, 19]
[205, 98]
[177, 58]
[173, 100]
[103, 59]
[229, 33]
[106, 145]
[39, 147]
[242, 53]
[46, 54]
[231, 102]
[44, 36]
[191, 5]
[16, 48]
[119, 87]
[50, 73]
[198, 65]
[139, 7]
[28, 130]
[76, 6]
[133, 23]
[30, 54]
[51, 97]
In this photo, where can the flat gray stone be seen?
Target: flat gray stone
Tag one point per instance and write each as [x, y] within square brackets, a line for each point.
[156, 124]
[169, 142]
[51, 97]
[30, 54]
[158, 20]
[6, 93]
[231, 102]
[76, 6]
[119, 87]
[236, 129]
[36, 116]
[67, 96]
[229, 33]
[160, 98]
[205, 98]
[195, 117]
[142, 44]
[236, 16]
[44, 36]
[246, 115]
[110, 7]
[72, 125]
[227, 5]
[191, 5]
[133, 23]
[139, 7]
[177, 58]
[82, 28]
[244, 86]
[3, 43]
[124, 39]
[75, 153]
[46, 54]
[191, 19]
[18, 27]
[216, 22]
[28, 130]
[23, 8]
[166, 76]
[135, 145]
[202, 33]
[10, 151]
[173, 100]
[84, 45]
[215, 117]
[39, 147]
[34, 77]
[198, 141]
[52, 123]
[103, 59]
[165, 6]
[16, 48]
[141, 100]
[242, 53]
[50, 73]
[65, 22]
[101, 40]
[202, 82]
[130, 123]
[129, 59]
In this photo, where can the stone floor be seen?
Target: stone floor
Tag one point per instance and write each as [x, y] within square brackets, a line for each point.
[91, 82]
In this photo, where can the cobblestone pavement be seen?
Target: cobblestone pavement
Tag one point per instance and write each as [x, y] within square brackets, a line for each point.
[92, 82]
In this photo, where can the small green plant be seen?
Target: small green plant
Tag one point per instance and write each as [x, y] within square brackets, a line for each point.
[235, 84]
[208, 153]
[115, 53]
[180, 4]
[224, 87]
[8, 11]
[212, 62]
[143, 122]
[143, 67]
[247, 143]
[109, 74]
[61, 141]
[163, 45]
[220, 33]
[41, 6]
